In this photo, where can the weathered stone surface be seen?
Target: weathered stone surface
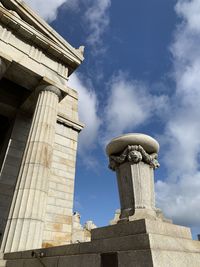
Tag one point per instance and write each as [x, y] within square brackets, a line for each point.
[175, 258]
[134, 157]
[25, 222]
[2, 262]
[140, 227]
[80, 261]
[45, 184]
[135, 258]
[116, 217]
[137, 243]
[118, 144]
[81, 233]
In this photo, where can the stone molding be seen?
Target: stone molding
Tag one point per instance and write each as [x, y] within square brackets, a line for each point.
[11, 11]
[65, 120]
[66, 56]
[133, 154]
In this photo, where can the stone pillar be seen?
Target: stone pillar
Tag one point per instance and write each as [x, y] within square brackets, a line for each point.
[134, 157]
[24, 227]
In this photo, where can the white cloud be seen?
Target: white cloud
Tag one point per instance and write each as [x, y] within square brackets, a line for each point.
[180, 200]
[98, 20]
[130, 105]
[189, 10]
[87, 113]
[96, 15]
[179, 194]
[46, 8]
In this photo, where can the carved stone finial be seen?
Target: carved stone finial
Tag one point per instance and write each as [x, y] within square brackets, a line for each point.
[81, 49]
[135, 184]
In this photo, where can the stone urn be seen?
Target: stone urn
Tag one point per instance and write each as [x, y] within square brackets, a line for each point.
[134, 157]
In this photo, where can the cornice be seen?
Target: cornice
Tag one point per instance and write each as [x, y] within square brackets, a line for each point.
[67, 55]
[76, 125]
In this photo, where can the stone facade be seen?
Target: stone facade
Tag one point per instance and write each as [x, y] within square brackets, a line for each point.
[39, 131]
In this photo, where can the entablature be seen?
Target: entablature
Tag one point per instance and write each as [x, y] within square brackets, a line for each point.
[67, 56]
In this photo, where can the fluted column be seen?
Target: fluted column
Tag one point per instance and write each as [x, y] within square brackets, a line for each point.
[134, 157]
[26, 219]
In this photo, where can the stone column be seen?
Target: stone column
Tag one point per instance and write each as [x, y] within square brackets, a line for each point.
[24, 227]
[134, 157]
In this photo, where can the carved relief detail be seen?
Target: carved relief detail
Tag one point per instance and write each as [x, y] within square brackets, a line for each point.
[134, 154]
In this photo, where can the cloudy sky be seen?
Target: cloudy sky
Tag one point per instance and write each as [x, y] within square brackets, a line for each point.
[141, 74]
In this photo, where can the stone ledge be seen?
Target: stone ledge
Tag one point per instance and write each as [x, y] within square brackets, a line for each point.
[155, 249]
[124, 243]
[133, 242]
[140, 227]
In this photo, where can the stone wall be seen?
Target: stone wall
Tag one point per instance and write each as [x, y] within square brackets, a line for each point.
[59, 211]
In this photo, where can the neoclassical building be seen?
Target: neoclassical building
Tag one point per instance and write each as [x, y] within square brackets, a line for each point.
[39, 128]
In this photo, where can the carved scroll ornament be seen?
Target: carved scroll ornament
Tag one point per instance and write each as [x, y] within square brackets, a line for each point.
[134, 154]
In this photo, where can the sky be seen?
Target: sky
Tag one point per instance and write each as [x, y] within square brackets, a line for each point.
[141, 73]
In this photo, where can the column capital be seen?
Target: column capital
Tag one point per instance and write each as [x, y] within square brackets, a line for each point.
[50, 88]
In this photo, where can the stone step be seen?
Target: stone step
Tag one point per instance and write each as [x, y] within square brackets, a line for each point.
[143, 226]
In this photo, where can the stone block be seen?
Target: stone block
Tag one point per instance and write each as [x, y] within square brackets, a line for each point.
[38, 262]
[59, 237]
[133, 242]
[175, 258]
[162, 242]
[139, 227]
[137, 258]
[15, 263]
[89, 260]
[62, 218]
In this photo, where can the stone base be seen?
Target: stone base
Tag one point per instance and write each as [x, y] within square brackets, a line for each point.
[142, 243]
[2, 262]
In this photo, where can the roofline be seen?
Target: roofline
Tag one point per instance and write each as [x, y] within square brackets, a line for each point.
[41, 26]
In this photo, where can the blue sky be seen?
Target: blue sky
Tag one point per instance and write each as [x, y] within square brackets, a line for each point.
[141, 74]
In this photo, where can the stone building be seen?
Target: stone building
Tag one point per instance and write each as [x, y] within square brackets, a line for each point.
[38, 133]
[38, 143]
